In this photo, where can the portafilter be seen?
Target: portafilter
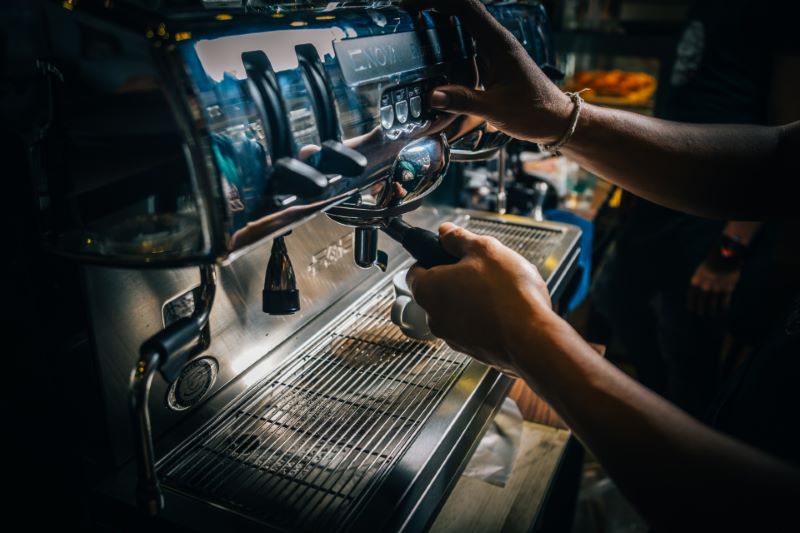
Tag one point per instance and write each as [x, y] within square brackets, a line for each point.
[417, 171]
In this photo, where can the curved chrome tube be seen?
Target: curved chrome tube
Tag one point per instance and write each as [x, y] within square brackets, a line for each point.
[166, 351]
[149, 497]
[208, 289]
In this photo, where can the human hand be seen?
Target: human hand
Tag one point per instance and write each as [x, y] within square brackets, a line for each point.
[517, 97]
[711, 289]
[481, 304]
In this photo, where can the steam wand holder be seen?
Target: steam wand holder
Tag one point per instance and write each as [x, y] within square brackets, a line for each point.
[166, 352]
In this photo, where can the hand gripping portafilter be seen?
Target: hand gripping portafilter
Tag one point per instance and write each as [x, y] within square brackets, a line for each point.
[416, 172]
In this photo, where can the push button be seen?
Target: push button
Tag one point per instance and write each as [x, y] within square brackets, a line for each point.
[387, 116]
[401, 108]
[415, 104]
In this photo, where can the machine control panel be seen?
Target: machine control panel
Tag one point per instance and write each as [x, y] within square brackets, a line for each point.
[403, 105]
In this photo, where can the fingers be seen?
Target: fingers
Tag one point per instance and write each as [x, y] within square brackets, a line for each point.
[459, 99]
[727, 299]
[696, 299]
[456, 240]
[722, 301]
[708, 301]
[422, 285]
[473, 15]
[307, 151]
[412, 277]
[713, 304]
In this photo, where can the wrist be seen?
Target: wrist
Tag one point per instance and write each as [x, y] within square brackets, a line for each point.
[536, 331]
[727, 254]
[558, 118]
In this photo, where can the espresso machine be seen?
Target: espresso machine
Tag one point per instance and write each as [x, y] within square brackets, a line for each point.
[224, 172]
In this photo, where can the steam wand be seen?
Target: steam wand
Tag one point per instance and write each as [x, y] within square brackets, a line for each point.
[165, 352]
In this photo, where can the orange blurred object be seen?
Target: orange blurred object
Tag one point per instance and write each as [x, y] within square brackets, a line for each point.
[614, 86]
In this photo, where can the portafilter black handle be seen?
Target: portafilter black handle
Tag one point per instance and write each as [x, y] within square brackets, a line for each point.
[422, 244]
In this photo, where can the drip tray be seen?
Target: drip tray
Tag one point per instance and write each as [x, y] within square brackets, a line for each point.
[301, 448]
[305, 447]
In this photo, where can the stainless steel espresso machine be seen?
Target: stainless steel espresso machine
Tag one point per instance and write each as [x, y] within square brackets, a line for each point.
[208, 163]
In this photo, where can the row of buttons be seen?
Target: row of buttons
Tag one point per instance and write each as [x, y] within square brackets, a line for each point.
[398, 103]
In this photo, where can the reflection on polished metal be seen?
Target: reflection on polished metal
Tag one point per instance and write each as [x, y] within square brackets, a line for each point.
[473, 139]
[166, 351]
[169, 157]
[416, 172]
[182, 166]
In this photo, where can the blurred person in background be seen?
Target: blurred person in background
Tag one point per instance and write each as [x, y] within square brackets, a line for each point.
[671, 288]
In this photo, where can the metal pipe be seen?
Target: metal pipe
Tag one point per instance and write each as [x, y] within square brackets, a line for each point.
[149, 496]
[538, 206]
[208, 289]
[502, 196]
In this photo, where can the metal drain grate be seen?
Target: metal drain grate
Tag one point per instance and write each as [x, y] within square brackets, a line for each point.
[300, 449]
[533, 243]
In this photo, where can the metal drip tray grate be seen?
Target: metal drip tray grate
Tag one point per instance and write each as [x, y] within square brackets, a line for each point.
[534, 243]
[301, 448]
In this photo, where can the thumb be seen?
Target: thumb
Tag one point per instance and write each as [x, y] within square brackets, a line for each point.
[456, 240]
[458, 99]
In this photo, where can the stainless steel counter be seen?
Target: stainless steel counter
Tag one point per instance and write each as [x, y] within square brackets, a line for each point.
[407, 486]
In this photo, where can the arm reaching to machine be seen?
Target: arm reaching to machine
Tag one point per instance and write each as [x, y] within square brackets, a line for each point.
[682, 166]
[674, 469]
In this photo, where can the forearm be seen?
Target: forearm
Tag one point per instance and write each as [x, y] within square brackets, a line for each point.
[728, 171]
[650, 448]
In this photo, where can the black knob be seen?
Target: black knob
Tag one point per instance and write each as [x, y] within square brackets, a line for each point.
[291, 176]
[336, 158]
